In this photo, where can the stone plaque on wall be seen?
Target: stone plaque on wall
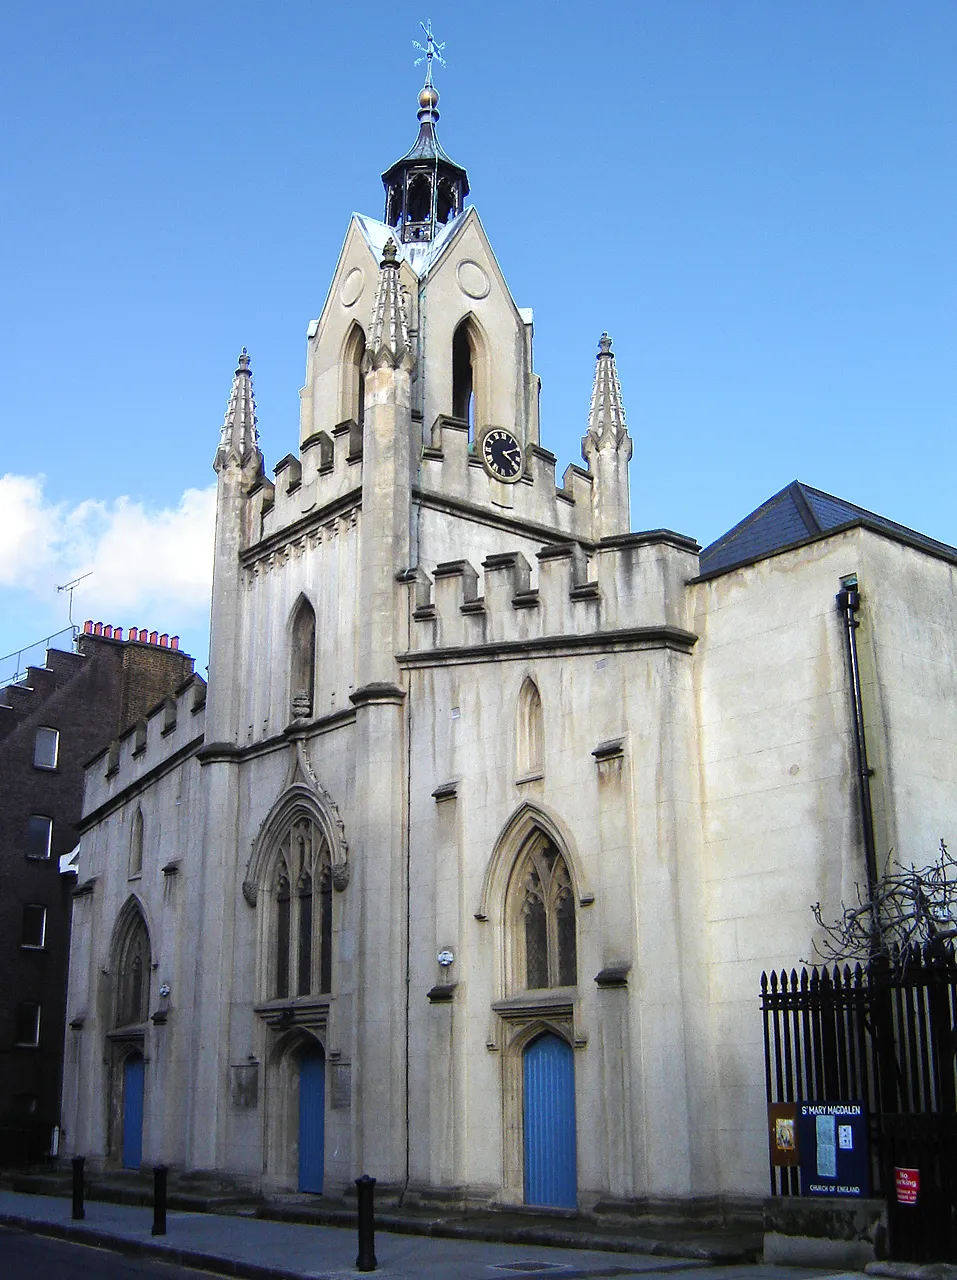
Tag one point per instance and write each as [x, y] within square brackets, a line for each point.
[341, 1086]
[244, 1085]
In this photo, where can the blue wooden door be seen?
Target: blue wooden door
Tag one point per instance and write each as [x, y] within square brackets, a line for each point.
[550, 1160]
[312, 1114]
[133, 1111]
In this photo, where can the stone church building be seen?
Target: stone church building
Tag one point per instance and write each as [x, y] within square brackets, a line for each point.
[464, 868]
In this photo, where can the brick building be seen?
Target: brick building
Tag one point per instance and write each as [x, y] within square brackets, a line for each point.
[51, 723]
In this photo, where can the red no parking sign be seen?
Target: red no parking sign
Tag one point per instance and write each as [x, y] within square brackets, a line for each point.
[907, 1182]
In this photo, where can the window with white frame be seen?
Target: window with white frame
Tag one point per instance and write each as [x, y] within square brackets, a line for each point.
[39, 836]
[34, 931]
[46, 748]
[28, 1024]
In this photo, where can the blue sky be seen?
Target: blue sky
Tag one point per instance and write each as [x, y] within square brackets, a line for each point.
[756, 198]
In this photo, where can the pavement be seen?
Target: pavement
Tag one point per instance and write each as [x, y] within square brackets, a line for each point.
[247, 1246]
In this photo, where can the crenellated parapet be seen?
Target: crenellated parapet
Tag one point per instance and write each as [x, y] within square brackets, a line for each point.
[327, 470]
[170, 731]
[626, 585]
[452, 470]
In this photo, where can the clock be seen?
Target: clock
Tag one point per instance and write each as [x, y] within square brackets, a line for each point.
[502, 455]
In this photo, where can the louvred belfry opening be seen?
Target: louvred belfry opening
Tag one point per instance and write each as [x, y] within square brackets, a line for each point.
[426, 188]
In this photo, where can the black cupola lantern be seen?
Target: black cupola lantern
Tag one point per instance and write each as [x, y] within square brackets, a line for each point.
[425, 189]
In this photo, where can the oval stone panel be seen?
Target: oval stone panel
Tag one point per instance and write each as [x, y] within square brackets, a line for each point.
[472, 279]
[352, 286]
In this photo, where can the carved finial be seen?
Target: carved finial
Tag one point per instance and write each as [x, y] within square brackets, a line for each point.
[606, 421]
[389, 338]
[239, 437]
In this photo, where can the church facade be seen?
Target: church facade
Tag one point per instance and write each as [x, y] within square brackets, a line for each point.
[463, 870]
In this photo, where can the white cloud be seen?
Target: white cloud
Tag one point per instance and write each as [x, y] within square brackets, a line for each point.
[149, 568]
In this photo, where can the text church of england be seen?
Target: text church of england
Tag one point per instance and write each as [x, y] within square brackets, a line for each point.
[463, 870]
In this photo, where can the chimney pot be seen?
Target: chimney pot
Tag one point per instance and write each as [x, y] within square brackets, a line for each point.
[117, 633]
[164, 640]
[153, 637]
[88, 627]
[142, 634]
[174, 642]
[98, 629]
[108, 631]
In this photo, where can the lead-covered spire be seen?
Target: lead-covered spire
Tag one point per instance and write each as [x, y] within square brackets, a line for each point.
[389, 339]
[239, 439]
[606, 421]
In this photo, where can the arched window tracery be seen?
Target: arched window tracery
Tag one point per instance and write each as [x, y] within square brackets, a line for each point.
[300, 935]
[133, 965]
[542, 917]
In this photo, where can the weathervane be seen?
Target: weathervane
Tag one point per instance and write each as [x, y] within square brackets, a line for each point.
[431, 49]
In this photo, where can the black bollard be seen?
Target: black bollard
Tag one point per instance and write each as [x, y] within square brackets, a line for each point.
[365, 1193]
[159, 1200]
[78, 1210]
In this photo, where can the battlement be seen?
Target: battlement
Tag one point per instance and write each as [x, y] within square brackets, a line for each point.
[170, 725]
[633, 582]
[452, 468]
[328, 467]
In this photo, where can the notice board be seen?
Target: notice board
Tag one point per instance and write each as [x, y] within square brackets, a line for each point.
[832, 1148]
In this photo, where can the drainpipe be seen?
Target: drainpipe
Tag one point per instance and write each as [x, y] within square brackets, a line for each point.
[848, 603]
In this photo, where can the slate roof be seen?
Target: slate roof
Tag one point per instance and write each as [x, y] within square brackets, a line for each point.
[800, 514]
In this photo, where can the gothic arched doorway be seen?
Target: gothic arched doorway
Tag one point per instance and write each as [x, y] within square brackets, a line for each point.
[548, 1072]
[133, 1072]
[312, 1114]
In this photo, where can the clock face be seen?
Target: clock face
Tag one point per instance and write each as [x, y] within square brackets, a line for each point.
[502, 455]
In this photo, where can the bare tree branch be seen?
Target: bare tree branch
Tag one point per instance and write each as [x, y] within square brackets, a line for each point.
[911, 907]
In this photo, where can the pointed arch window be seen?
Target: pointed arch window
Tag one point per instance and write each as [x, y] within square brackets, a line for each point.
[136, 845]
[463, 376]
[303, 660]
[133, 965]
[300, 936]
[542, 919]
[531, 730]
[283, 931]
[445, 202]
[419, 202]
[354, 378]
